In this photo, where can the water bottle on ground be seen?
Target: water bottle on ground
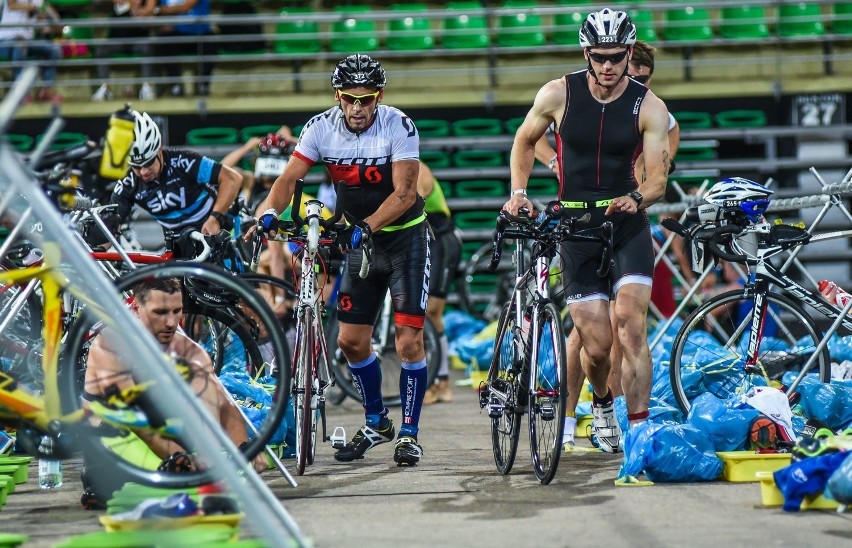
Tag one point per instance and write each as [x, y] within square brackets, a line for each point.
[834, 293]
[49, 467]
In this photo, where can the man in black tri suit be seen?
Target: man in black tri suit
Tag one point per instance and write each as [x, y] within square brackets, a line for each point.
[603, 121]
[178, 187]
[374, 149]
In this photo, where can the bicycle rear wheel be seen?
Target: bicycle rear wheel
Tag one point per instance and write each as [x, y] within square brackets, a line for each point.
[709, 353]
[501, 393]
[547, 392]
[111, 443]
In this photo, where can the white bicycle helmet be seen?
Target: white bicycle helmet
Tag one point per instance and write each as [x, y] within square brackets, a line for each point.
[147, 140]
[736, 189]
[607, 28]
[269, 166]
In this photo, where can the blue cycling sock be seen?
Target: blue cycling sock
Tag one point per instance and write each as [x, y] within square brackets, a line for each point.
[367, 376]
[412, 388]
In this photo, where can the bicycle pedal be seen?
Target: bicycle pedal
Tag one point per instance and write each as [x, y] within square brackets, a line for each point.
[495, 410]
[338, 438]
[547, 411]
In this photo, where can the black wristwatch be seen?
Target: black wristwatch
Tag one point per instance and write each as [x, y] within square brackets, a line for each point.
[223, 220]
[636, 196]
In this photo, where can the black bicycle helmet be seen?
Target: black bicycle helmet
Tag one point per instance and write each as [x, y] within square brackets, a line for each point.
[358, 70]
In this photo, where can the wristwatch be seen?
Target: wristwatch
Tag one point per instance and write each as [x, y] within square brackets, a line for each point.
[219, 217]
[156, 10]
[636, 196]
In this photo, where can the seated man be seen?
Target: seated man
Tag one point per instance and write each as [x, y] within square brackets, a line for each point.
[158, 304]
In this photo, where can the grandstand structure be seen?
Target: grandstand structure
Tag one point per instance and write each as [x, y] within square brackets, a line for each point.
[759, 87]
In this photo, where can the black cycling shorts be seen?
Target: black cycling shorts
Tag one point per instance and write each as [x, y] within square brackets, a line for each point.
[401, 263]
[446, 256]
[633, 254]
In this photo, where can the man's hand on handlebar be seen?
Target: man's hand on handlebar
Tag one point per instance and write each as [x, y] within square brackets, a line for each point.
[268, 223]
[517, 202]
[354, 236]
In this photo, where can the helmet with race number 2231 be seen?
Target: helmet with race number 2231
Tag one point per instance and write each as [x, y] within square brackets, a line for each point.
[358, 70]
[738, 198]
[607, 28]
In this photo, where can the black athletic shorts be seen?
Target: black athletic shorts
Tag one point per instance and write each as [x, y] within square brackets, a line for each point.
[446, 256]
[401, 263]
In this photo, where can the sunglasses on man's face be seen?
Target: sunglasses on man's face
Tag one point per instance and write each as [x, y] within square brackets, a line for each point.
[614, 58]
[146, 165]
[363, 100]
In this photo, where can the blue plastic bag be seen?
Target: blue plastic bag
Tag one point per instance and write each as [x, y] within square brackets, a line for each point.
[669, 453]
[459, 324]
[724, 423]
[840, 482]
[831, 404]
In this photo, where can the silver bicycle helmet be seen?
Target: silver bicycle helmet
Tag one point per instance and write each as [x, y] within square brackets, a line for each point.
[358, 70]
[607, 28]
[147, 140]
[739, 198]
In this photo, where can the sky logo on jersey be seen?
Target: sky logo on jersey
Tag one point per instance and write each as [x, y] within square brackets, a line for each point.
[182, 163]
[163, 201]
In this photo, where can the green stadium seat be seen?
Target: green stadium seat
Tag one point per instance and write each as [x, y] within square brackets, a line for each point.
[800, 20]
[489, 281]
[465, 30]
[841, 23]
[477, 126]
[542, 186]
[691, 154]
[480, 188]
[257, 131]
[64, 140]
[693, 119]
[566, 24]
[20, 141]
[692, 180]
[687, 23]
[475, 219]
[743, 23]
[435, 159]
[70, 3]
[410, 32]
[741, 118]
[646, 29]
[212, 136]
[478, 158]
[353, 34]
[523, 29]
[512, 124]
[297, 35]
[431, 127]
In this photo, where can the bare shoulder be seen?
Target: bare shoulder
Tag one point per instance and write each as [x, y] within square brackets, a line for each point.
[654, 111]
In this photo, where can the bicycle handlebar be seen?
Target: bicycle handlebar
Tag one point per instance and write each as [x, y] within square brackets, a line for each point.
[710, 233]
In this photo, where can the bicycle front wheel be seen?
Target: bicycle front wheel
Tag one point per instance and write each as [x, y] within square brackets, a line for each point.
[547, 392]
[305, 391]
[501, 393]
[710, 351]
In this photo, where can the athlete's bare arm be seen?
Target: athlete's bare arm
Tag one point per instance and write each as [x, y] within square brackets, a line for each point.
[549, 101]
[404, 194]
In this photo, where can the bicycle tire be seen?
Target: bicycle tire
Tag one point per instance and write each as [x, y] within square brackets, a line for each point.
[389, 361]
[548, 388]
[486, 306]
[501, 393]
[70, 374]
[304, 390]
[698, 364]
[223, 336]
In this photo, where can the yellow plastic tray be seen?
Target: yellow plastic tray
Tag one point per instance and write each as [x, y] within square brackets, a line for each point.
[584, 424]
[772, 496]
[477, 377]
[111, 524]
[743, 466]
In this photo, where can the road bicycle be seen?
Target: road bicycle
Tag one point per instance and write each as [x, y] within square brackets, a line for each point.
[754, 335]
[311, 378]
[527, 375]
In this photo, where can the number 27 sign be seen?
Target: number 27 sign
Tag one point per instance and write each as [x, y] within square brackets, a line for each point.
[819, 110]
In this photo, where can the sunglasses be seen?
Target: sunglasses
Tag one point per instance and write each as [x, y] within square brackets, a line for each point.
[146, 165]
[614, 58]
[363, 100]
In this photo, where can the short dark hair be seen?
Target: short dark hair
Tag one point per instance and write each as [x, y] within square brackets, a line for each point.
[142, 290]
[643, 54]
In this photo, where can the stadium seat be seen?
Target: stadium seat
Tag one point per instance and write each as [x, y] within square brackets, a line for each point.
[489, 281]
[212, 136]
[523, 29]
[478, 158]
[512, 124]
[646, 29]
[70, 3]
[297, 35]
[741, 118]
[743, 23]
[475, 219]
[20, 141]
[435, 159]
[841, 23]
[687, 23]
[693, 119]
[543, 186]
[480, 188]
[800, 20]
[566, 24]
[353, 34]
[64, 140]
[257, 131]
[687, 153]
[431, 127]
[464, 30]
[410, 32]
[477, 126]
